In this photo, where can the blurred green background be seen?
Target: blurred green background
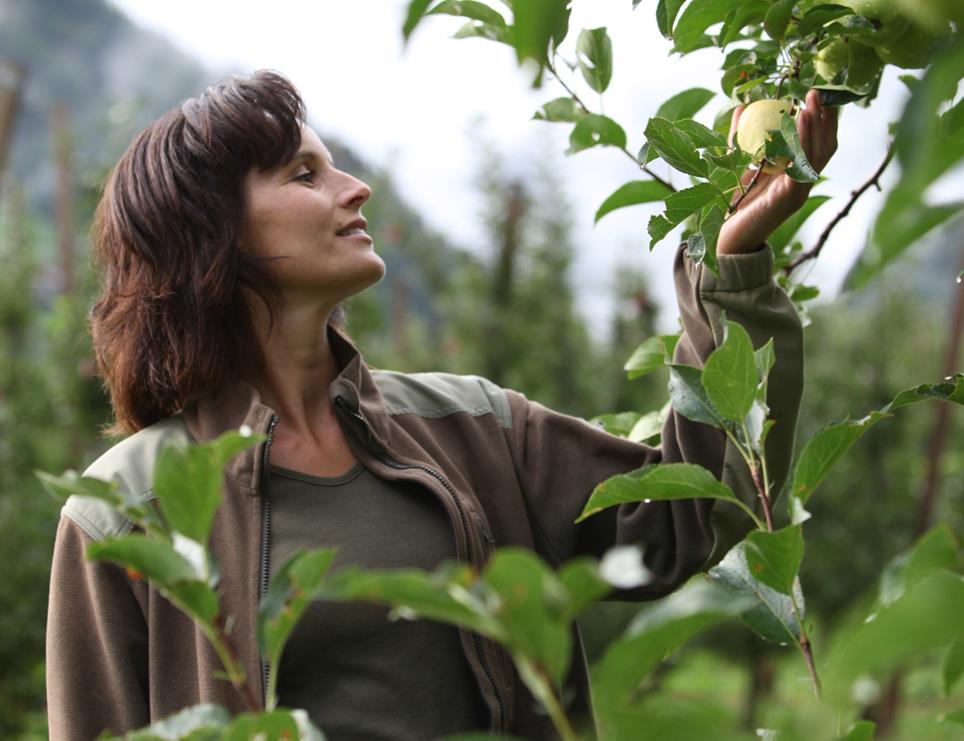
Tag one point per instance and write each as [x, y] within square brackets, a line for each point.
[438, 309]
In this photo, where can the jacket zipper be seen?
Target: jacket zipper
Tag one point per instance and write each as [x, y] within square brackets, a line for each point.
[265, 541]
[387, 460]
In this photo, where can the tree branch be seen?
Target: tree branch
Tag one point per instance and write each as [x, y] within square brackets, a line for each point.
[753, 181]
[872, 180]
[625, 151]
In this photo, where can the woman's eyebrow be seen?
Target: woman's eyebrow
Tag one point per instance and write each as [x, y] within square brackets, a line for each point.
[306, 155]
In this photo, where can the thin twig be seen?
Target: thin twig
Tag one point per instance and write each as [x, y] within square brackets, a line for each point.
[854, 195]
[764, 497]
[756, 177]
[625, 151]
[233, 665]
[805, 648]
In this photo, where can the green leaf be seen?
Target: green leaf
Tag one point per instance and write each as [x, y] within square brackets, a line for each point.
[560, 109]
[951, 389]
[730, 374]
[581, 579]
[651, 355]
[675, 147]
[689, 397]
[764, 359]
[649, 425]
[711, 222]
[786, 144]
[838, 95]
[470, 9]
[778, 18]
[658, 227]
[616, 424]
[595, 130]
[824, 449]
[657, 482]
[698, 16]
[414, 14]
[666, 11]
[953, 665]
[594, 52]
[788, 229]
[934, 551]
[276, 725]
[130, 504]
[774, 558]
[685, 104]
[771, 616]
[700, 134]
[631, 194]
[682, 203]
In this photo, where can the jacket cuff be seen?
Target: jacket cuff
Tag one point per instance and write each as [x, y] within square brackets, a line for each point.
[740, 272]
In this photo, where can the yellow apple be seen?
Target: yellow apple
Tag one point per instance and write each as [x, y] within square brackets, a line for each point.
[757, 119]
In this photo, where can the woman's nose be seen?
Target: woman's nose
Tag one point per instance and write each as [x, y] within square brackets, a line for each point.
[356, 193]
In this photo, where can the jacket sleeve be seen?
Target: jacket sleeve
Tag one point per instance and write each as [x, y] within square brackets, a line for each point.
[96, 644]
[560, 459]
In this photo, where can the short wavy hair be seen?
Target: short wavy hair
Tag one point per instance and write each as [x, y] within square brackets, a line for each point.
[172, 322]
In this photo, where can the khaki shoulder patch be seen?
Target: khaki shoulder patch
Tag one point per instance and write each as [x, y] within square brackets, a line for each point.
[434, 395]
[131, 464]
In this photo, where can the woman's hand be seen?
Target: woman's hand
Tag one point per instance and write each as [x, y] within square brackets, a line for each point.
[776, 196]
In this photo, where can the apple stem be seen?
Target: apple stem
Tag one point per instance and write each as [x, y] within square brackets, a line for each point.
[812, 253]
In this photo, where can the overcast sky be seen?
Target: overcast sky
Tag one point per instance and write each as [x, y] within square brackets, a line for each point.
[412, 110]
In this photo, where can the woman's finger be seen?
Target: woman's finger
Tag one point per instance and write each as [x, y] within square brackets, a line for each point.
[734, 122]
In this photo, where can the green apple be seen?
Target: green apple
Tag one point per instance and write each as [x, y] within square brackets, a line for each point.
[887, 13]
[859, 61]
[934, 14]
[756, 121]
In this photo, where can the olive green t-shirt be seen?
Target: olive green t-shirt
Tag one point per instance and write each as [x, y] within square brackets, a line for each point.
[358, 674]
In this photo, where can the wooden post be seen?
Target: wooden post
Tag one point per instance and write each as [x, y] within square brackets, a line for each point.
[11, 79]
[64, 195]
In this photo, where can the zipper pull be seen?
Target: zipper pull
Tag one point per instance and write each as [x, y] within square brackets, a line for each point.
[483, 529]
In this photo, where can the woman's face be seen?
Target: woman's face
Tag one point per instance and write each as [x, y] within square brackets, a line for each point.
[298, 213]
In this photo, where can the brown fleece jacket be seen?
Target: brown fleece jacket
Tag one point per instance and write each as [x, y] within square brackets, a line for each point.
[507, 470]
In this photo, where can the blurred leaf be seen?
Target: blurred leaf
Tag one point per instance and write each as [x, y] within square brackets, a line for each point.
[730, 374]
[594, 52]
[685, 104]
[475, 29]
[631, 194]
[737, 19]
[771, 616]
[536, 24]
[656, 632]
[414, 14]
[774, 558]
[696, 18]
[130, 504]
[936, 550]
[926, 617]
[560, 109]
[675, 147]
[291, 590]
[651, 355]
[657, 228]
[953, 665]
[683, 203]
[276, 725]
[689, 397]
[595, 130]
[666, 11]
[788, 229]
[172, 574]
[649, 425]
[187, 482]
[862, 730]
[195, 723]
[617, 424]
[819, 15]
[657, 482]
[711, 222]
[952, 389]
[581, 578]
[470, 9]
[778, 18]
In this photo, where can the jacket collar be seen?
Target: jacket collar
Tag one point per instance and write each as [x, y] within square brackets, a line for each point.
[239, 403]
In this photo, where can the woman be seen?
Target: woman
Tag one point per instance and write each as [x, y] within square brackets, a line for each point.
[227, 239]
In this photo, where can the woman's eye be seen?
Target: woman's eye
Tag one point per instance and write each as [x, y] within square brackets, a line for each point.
[305, 176]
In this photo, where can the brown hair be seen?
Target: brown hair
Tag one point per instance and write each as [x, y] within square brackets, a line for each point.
[172, 323]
